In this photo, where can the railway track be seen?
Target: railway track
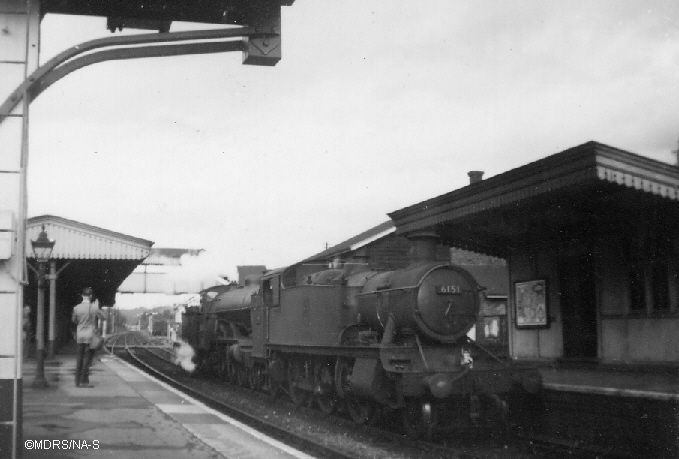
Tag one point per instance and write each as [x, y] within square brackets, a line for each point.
[330, 436]
[138, 352]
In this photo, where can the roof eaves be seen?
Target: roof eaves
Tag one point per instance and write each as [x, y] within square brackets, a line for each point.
[346, 246]
[582, 164]
[83, 226]
[583, 155]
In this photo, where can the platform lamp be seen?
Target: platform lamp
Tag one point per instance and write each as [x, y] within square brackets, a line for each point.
[42, 249]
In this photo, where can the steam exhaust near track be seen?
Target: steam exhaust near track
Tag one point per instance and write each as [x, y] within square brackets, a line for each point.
[184, 354]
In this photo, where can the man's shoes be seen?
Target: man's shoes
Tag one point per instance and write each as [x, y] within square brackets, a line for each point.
[86, 385]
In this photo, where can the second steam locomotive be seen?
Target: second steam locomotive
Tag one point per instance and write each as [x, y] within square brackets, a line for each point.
[364, 340]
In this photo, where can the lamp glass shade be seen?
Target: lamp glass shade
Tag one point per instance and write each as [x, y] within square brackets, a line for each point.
[42, 247]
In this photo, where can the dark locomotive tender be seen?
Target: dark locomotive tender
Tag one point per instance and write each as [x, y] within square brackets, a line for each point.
[369, 341]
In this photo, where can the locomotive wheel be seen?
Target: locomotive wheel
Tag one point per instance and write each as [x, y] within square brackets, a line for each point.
[242, 374]
[200, 364]
[231, 371]
[419, 420]
[343, 368]
[298, 396]
[271, 387]
[327, 403]
[325, 396]
[361, 411]
[222, 369]
[254, 378]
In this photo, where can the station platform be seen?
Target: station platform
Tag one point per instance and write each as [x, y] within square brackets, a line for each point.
[128, 415]
[635, 383]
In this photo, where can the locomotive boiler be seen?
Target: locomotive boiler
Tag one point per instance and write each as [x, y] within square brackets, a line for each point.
[219, 330]
[374, 342]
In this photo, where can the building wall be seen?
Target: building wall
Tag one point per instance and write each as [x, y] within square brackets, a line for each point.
[640, 340]
[529, 263]
[626, 333]
[393, 252]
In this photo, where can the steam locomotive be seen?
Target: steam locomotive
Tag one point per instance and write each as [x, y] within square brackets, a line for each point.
[369, 342]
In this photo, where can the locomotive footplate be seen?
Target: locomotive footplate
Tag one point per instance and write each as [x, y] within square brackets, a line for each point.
[326, 351]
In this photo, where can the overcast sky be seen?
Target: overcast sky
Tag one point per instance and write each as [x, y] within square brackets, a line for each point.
[376, 105]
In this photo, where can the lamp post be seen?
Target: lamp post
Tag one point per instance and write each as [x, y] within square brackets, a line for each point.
[42, 249]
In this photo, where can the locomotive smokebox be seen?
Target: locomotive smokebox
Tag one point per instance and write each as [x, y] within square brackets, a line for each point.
[423, 247]
[437, 300]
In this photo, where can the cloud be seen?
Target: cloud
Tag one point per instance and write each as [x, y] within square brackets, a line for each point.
[375, 106]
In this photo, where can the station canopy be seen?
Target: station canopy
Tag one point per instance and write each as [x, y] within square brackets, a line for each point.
[87, 255]
[565, 196]
[158, 14]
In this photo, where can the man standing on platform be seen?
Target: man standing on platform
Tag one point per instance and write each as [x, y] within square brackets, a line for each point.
[84, 314]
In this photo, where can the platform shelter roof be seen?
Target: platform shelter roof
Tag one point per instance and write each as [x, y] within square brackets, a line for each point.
[79, 241]
[84, 256]
[584, 185]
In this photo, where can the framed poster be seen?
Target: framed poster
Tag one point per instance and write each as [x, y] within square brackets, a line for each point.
[531, 304]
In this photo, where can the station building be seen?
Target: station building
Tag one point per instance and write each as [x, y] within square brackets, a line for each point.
[591, 240]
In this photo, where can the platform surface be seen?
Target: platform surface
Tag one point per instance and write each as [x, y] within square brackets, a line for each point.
[128, 415]
[615, 382]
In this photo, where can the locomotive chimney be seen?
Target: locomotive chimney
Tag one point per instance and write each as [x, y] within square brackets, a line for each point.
[423, 246]
[475, 176]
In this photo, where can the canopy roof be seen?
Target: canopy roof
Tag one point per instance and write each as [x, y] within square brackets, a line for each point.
[582, 187]
[86, 256]
[78, 241]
